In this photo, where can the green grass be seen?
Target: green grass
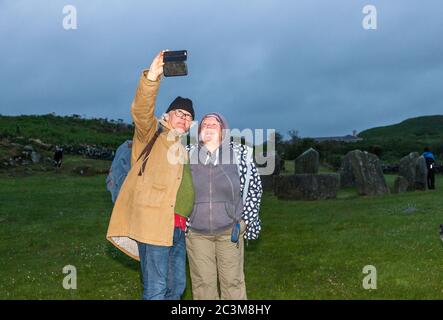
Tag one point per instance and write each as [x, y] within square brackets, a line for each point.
[54, 129]
[307, 250]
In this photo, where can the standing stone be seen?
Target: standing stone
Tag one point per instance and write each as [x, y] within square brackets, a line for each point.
[28, 148]
[267, 182]
[421, 174]
[35, 157]
[413, 168]
[41, 144]
[401, 184]
[307, 186]
[276, 183]
[347, 178]
[367, 172]
[282, 164]
[307, 162]
[278, 166]
[407, 169]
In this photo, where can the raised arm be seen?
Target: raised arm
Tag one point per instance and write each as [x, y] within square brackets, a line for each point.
[143, 106]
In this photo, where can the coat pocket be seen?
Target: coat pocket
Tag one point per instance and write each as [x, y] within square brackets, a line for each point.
[230, 212]
[151, 196]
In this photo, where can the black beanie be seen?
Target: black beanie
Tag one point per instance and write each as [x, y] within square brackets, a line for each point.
[182, 103]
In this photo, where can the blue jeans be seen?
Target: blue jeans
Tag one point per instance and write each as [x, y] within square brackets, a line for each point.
[163, 269]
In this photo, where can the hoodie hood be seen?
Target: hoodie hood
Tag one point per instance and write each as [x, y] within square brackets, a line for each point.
[223, 124]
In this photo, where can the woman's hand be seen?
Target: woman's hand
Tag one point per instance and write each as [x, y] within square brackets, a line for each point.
[156, 68]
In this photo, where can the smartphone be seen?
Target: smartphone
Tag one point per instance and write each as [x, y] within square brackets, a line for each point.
[175, 63]
[235, 233]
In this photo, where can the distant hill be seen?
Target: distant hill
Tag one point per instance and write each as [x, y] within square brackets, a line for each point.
[411, 135]
[53, 129]
[427, 129]
[390, 143]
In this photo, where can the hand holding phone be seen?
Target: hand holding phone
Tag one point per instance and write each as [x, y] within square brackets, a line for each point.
[156, 68]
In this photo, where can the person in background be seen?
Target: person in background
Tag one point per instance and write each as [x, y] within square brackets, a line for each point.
[430, 163]
[58, 156]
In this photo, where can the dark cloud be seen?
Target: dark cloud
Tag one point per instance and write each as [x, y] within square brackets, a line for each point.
[304, 65]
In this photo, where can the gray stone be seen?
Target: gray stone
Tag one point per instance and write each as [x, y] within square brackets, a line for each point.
[28, 148]
[366, 169]
[35, 157]
[401, 184]
[278, 164]
[276, 183]
[347, 178]
[40, 143]
[307, 162]
[307, 186]
[267, 182]
[421, 174]
[282, 164]
[413, 168]
[407, 169]
[410, 210]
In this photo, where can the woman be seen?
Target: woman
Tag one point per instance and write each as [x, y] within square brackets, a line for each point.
[227, 195]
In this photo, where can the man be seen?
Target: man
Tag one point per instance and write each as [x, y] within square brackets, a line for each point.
[430, 162]
[149, 217]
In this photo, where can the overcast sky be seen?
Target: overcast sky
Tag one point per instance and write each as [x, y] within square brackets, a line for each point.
[303, 65]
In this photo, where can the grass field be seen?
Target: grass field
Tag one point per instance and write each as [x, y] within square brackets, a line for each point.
[54, 129]
[307, 250]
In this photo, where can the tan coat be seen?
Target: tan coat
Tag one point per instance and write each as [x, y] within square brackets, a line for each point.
[144, 208]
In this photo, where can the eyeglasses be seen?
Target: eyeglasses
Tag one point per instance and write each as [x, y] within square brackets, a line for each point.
[182, 115]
